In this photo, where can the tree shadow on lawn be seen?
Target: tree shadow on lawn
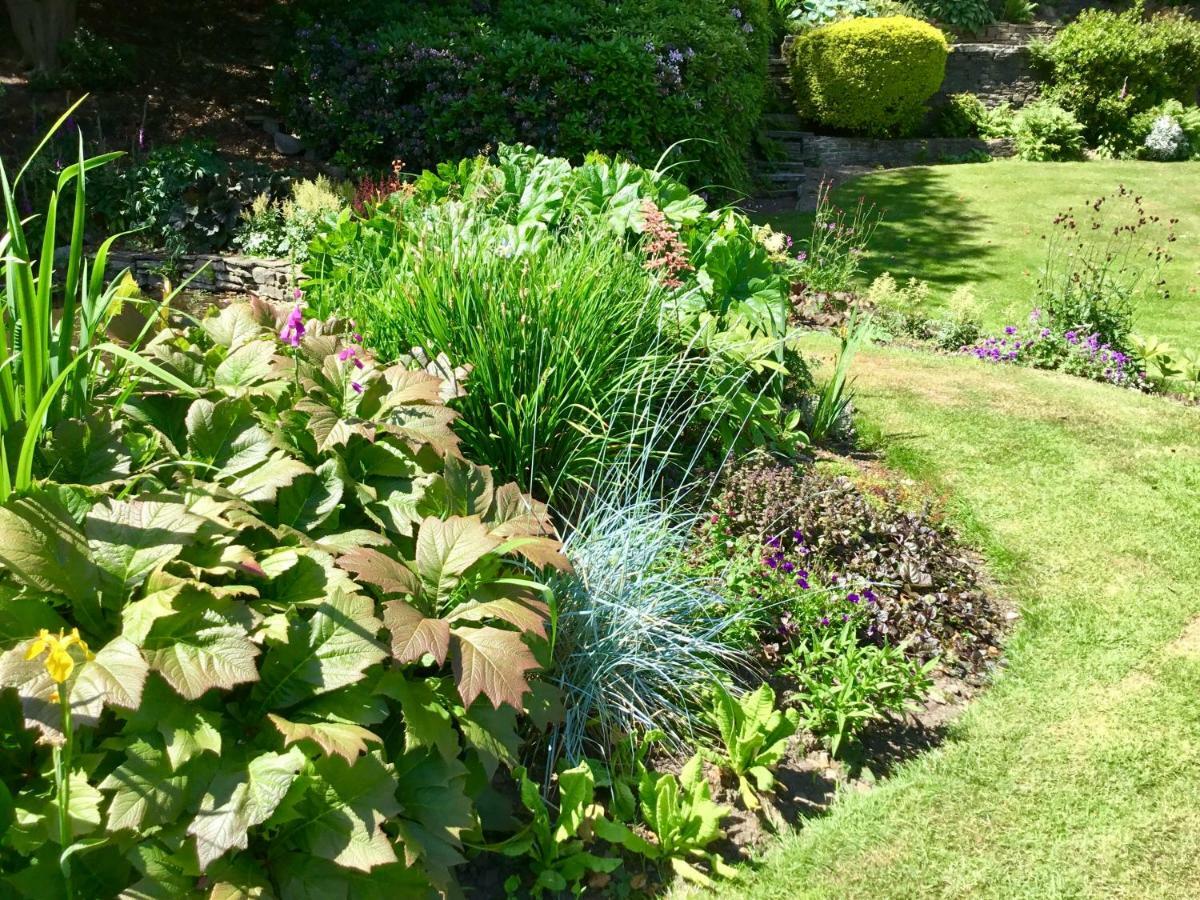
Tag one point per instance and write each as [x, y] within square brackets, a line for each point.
[928, 230]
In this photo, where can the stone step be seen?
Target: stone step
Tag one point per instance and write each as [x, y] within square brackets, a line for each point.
[782, 121]
[785, 137]
[795, 177]
[781, 166]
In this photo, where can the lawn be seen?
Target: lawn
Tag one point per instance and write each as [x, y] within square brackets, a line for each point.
[1077, 774]
[983, 225]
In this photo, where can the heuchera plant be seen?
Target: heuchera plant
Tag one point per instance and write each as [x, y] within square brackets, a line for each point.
[314, 626]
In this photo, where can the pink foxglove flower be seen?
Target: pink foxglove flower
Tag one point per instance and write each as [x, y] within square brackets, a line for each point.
[293, 329]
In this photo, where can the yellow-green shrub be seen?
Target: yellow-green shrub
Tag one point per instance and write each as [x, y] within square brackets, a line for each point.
[868, 75]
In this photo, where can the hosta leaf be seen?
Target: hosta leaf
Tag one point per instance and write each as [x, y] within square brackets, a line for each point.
[115, 676]
[308, 502]
[131, 538]
[334, 738]
[239, 799]
[380, 570]
[261, 484]
[204, 646]
[245, 367]
[345, 810]
[447, 548]
[44, 549]
[328, 651]
[491, 662]
[414, 634]
[146, 792]
[435, 811]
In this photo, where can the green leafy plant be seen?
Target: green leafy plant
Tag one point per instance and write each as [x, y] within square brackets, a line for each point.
[683, 818]
[1106, 67]
[55, 367]
[843, 685]
[1046, 132]
[969, 15]
[1153, 353]
[314, 623]
[1020, 12]
[827, 417]
[965, 115]
[754, 737]
[286, 228]
[556, 851]
[871, 76]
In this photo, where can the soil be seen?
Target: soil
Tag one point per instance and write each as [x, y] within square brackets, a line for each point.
[200, 69]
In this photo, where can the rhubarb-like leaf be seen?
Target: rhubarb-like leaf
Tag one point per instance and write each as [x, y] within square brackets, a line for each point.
[469, 486]
[146, 792]
[343, 739]
[44, 549]
[447, 548]
[204, 646]
[308, 502]
[491, 662]
[233, 326]
[131, 538]
[344, 812]
[238, 799]
[427, 721]
[115, 676]
[380, 570]
[328, 651]
[261, 484]
[414, 634]
[435, 812]
[247, 366]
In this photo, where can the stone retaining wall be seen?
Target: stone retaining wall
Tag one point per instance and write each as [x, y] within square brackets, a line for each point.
[828, 150]
[269, 278]
[997, 73]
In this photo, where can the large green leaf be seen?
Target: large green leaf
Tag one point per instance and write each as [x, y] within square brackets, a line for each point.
[304, 877]
[246, 368]
[308, 502]
[225, 435]
[447, 548]
[204, 645]
[330, 650]
[414, 634]
[260, 485]
[115, 676]
[131, 538]
[44, 548]
[344, 811]
[435, 811]
[380, 570]
[233, 326]
[239, 799]
[146, 792]
[427, 721]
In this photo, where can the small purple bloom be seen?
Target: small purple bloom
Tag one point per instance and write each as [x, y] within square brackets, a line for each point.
[347, 353]
[293, 328]
[358, 388]
[853, 598]
[788, 567]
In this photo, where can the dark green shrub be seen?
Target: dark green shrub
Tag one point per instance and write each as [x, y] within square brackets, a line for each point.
[1045, 132]
[423, 81]
[182, 198]
[1107, 67]
[868, 75]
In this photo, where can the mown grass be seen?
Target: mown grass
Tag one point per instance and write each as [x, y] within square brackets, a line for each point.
[983, 224]
[1077, 774]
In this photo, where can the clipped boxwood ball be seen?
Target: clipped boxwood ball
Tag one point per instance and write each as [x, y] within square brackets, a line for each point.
[871, 76]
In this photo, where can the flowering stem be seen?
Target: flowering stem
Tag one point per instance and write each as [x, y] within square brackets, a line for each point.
[62, 778]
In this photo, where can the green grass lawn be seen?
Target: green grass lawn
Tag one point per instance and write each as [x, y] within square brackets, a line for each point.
[1078, 773]
[983, 225]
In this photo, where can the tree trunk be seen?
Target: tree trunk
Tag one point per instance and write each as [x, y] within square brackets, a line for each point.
[40, 26]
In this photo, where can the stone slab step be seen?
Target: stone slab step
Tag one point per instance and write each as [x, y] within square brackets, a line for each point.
[786, 137]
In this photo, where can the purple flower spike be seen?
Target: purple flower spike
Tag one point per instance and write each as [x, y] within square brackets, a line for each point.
[347, 353]
[293, 328]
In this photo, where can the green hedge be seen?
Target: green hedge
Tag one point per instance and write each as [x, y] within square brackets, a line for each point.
[868, 75]
[423, 81]
[1108, 67]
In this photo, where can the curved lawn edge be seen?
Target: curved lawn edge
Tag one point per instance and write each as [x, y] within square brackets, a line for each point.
[1076, 773]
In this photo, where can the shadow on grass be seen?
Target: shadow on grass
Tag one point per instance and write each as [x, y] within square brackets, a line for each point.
[924, 222]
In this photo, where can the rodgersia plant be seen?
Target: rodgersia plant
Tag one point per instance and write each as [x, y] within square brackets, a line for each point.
[314, 625]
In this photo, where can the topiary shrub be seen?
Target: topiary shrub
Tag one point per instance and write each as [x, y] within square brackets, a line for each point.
[1045, 132]
[1108, 67]
[871, 76]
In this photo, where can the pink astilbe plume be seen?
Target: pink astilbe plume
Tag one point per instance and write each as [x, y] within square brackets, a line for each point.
[665, 252]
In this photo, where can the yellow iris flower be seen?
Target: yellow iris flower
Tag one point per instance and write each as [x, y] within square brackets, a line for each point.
[59, 661]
